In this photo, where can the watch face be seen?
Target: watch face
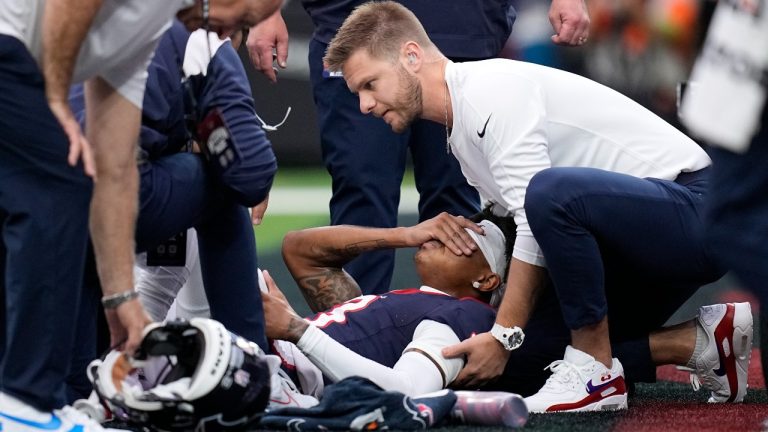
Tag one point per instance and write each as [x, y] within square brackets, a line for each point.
[515, 339]
[510, 338]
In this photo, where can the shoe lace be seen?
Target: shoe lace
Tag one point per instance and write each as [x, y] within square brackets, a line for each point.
[564, 373]
[693, 377]
[78, 418]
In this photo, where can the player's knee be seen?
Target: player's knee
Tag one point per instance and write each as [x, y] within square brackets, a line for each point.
[251, 185]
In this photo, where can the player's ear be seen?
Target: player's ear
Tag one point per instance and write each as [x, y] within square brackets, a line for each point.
[487, 283]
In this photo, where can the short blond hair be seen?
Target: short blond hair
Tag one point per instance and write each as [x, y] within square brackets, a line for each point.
[381, 28]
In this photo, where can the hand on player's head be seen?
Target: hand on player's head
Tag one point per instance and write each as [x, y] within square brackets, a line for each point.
[447, 229]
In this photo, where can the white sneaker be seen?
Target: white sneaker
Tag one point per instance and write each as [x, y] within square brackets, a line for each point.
[723, 366]
[283, 391]
[17, 416]
[580, 383]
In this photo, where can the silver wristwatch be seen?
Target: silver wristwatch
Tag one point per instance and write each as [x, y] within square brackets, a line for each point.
[510, 337]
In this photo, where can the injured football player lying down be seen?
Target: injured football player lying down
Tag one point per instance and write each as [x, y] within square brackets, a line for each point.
[394, 339]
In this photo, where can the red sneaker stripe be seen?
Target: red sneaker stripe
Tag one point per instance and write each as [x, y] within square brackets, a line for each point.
[724, 331]
[619, 385]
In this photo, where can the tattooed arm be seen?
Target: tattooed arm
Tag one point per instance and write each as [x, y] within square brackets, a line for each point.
[315, 256]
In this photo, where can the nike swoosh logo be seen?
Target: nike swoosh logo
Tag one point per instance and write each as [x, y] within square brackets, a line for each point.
[592, 388]
[287, 401]
[721, 370]
[52, 424]
[482, 132]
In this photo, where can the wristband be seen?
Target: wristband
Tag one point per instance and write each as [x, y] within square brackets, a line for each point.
[114, 300]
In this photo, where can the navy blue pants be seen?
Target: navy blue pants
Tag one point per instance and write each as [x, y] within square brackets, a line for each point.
[738, 219]
[628, 247]
[44, 227]
[608, 236]
[367, 160]
[177, 192]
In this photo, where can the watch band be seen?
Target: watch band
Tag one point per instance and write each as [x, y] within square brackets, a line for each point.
[510, 337]
[115, 300]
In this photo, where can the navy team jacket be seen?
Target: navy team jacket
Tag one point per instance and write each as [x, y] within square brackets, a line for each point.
[168, 104]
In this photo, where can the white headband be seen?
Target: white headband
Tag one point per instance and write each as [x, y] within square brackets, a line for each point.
[492, 245]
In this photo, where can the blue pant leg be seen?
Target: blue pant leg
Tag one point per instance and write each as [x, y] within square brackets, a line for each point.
[44, 210]
[88, 346]
[442, 186]
[228, 259]
[366, 161]
[614, 242]
[178, 193]
[653, 229]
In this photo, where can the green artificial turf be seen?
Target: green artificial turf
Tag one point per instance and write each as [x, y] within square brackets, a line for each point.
[269, 235]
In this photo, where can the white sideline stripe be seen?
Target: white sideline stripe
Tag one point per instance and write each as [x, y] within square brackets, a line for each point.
[314, 200]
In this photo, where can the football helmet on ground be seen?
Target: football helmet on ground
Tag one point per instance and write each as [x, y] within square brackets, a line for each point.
[186, 375]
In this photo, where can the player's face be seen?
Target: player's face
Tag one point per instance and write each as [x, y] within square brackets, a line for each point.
[385, 90]
[440, 268]
[226, 17]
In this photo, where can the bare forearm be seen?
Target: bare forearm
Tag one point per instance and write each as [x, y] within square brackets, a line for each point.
[112, 126]
[524, 285]
[335, 246]
[315, 258]
[295, 329]
[65, 24]
[113, 216]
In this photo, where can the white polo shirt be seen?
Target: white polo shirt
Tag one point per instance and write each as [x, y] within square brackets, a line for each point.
[118, 47]
[513, 119]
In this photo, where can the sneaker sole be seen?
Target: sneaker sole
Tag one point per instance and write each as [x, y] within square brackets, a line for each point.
[734, 344]
[610, 403]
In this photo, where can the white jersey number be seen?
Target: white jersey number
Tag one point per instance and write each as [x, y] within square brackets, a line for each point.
[339, 313]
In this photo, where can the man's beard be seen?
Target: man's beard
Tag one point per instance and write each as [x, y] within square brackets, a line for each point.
[408, 99]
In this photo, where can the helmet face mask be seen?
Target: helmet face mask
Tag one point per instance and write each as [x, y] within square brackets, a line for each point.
[192, 375]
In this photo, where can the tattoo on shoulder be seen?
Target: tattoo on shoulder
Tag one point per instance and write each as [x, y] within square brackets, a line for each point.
[327, 289]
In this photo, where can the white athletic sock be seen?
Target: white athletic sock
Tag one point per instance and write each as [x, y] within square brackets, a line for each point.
[701, 344]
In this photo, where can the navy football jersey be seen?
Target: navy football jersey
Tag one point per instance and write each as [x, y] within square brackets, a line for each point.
[379, 327]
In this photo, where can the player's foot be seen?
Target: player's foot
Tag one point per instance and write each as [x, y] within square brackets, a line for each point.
[581, 383]
[723, 365]
[17, 416]
[283, 391]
